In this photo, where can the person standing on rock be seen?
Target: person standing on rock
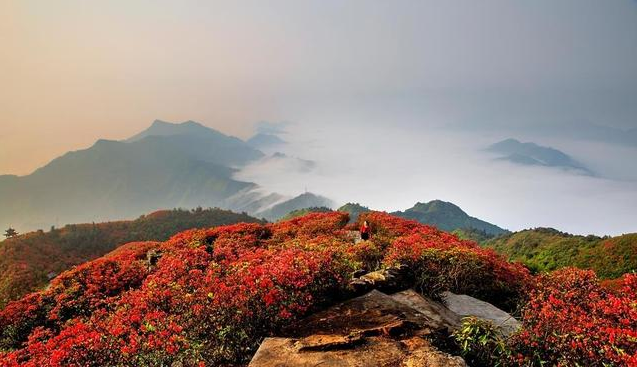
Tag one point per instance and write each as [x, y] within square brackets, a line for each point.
[365, 231]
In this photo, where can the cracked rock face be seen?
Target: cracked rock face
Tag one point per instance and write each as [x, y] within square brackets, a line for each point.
[371, 330]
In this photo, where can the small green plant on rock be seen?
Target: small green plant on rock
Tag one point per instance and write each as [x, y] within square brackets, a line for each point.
[480, 341]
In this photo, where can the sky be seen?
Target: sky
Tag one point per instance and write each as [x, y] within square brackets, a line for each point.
[365, 76]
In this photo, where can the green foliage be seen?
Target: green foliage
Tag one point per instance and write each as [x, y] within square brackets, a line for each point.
[472, 234]
[546, 249]
[480, 341]
[305, 211]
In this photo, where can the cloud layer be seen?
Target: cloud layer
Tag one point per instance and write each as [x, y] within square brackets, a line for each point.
[390, 167]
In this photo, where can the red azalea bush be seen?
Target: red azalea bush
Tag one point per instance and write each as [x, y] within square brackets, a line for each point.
[209, 296]
[571, 320]
[28, 260]
[75, 293]
[441, 262]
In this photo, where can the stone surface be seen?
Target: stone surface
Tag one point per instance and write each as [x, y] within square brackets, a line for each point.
[374, 352]
[464, 305]
[435, 311]
[371, 330]
[387, 280]
[321, 342]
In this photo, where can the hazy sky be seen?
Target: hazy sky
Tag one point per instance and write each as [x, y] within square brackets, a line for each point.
[75, 71]
[413, 88]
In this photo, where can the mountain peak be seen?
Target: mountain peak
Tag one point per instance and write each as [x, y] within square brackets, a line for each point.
[447, 216]
[436, 206]
[189, 127]
[264, 140]
[530, 153]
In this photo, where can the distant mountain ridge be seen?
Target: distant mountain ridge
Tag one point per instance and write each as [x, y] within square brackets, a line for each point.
[529, 153]
[167, 165]
[303, 201]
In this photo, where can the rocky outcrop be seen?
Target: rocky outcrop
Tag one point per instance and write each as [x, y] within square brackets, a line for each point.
[378, 329]
[464, 305]
[371, 330]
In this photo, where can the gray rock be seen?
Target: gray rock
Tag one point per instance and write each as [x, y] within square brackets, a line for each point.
[464, 305]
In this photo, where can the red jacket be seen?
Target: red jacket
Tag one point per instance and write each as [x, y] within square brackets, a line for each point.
[364, 229]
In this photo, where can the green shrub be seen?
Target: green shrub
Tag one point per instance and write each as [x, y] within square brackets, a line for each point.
[481, 343]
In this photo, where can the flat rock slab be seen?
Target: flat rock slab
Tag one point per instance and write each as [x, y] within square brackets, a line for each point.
[464, 305]
[374, 352]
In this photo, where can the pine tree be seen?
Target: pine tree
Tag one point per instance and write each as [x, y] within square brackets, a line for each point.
[9, 233]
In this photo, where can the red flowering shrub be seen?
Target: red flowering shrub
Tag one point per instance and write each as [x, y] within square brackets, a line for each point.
[75, 293]
[571, 320]
[209, 296]
[28, 260]
[309, 226]
[441, 262]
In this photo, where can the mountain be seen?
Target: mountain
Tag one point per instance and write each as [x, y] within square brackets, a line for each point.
[303, 201]
[166, 166]
[305, 211]
[354, 210]
[546, 249]
[447, 216]
[529, 153]
[265, 140]
[29, 260]
[472, 234]
[200, 142]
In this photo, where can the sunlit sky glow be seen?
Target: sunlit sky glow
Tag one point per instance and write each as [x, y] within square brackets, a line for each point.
[75, 71]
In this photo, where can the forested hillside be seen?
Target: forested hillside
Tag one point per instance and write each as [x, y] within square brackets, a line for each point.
[546, 249]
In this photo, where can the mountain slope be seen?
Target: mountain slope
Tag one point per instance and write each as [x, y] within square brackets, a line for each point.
[546, 249]
[119, 180]
[305, 211]
[303, 201]
[354, 210]
[447, 216]
[264, 140]
[28, 260]
[529, 153]
[200, 142]
[114, 180]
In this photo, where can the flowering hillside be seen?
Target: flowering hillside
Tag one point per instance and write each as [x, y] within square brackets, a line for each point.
[209, 296]
[29, 260]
